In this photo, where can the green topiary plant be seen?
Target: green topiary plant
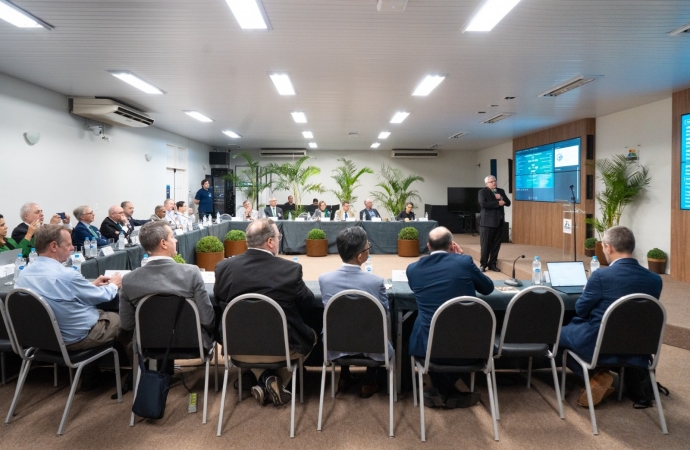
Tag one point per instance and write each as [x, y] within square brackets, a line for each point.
[179, 259]
[408, 234]
[316, 233]
[655, 253]
[236, 235]
[590, 243]
[209, 244]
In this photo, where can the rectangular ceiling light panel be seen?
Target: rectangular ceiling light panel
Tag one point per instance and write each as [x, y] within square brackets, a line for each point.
[384, 134]
[250, 14]
[375, 145]
[569, 85]
[308, 134]
[313, 145]
[20, 18]
[399, 117]
[498, 117]
[282, 83]
[198, 116]
[232, 134]
[299, 116]
[129, 78]
[428, 84]
[489, 14]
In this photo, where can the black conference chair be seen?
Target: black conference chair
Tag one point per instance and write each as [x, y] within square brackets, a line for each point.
[632, 325]
[38, 338]
[461, 328]
[6, 340]
[531, 329]
[154, 320]
[254, 324]
[355, 322]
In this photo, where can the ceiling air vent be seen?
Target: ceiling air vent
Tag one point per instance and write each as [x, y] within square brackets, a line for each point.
[569, 85]
[283, 152]
[109, 111]
[414, 154]
[685, 29]
[458, 135]
[497, 118]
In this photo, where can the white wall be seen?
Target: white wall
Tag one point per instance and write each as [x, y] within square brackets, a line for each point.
[54, 172]
[648, 126]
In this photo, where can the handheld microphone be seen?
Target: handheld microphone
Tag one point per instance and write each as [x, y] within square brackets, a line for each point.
[512, 281]
[494, 191]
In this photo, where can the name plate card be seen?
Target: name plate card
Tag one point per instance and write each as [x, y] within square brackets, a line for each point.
[107, 251]
[376, 219]
[179, 232]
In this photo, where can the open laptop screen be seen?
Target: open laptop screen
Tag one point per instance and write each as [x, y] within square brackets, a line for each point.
[567, 273]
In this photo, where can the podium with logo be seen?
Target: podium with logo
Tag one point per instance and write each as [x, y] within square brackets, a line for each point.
[573, 229]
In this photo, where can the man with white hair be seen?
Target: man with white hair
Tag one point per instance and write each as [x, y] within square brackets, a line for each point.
[115, 223]
[85, 215]
[369, 212]
[272, 210]
[170, 212]
[492, 201]
[32, 214]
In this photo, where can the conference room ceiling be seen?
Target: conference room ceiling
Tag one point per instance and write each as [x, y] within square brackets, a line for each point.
[353, 67]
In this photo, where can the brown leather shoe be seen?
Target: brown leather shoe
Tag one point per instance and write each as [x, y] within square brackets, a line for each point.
[367, 390]
[601, 386]
[344, 383]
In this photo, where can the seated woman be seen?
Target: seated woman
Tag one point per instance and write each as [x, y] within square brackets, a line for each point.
[322, 213]
[7, 243]
[406, 215]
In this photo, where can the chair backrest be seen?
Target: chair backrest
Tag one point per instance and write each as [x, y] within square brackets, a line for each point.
[355, 321]
[155, 317]
[632, 325]
[32, 322]
[254, 324]
[533, 316]
[462, 328]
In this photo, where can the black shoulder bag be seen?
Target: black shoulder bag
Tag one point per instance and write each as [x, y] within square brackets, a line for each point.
[152, 391]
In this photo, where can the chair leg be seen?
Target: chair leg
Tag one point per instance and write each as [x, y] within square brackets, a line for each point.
[70, 398]
[239, 383]
[492, 402]
[222, 401]
[23, 371]
[55, 375]
[391, 389]
[208, 363]
[563, 369]
[590, 402]
[421, 402]
[493, 380]
[414, 383]
[292, 410]
[118, 377]
[2, 367]
[529, 373]
[136, 388]
[621, 384]
[323, 388]
[556, 388]
[301, 380]
[333, 380]
[472, 382]
[657, 398]
[215, 357]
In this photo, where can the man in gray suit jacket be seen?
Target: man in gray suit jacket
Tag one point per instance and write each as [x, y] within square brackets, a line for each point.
[162, 275]
[353, 248]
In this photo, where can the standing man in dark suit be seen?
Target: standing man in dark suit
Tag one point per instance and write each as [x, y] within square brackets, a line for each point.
[368, 212]
[492, 200]
[259, 271]
[446, 273]
[85, 215]
[623, 276]
[272, 210]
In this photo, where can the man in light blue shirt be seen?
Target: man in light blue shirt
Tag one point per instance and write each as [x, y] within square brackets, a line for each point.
[72, 298]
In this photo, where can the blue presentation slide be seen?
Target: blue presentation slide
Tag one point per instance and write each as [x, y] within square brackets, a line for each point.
[685, 162]
[545, 173]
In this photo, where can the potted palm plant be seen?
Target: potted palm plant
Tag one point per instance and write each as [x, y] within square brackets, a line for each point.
[590, 244]
[395, 189]
[209, 252]
[251, 179]
[656, 261]
[347, 177]
[408, 242]
[295, 177]
[235, 243]
[317, 244]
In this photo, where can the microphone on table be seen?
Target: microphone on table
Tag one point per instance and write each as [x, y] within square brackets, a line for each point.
[512, 281]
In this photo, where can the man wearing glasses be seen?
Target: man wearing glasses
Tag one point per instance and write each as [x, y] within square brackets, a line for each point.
[85, 215]
[259, 271]
[353, 248]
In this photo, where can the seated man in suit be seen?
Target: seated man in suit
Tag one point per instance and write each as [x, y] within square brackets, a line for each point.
[162, 275]
[272, 210]
[115, 223]
[32, 214]
[345, 212]
[369, 211]
[128, 209]
[158, 214]
[622, 277]
[446, 273]
[353, 248]
[85, 215]
[259, 271]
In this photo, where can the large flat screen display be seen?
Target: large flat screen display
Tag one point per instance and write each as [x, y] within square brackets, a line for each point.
[685, 162]
[545, 173]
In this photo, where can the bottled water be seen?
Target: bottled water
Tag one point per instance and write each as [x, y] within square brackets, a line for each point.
[217, 217]
[145, 260]
[536, 271]
[87, 248]
[294, 259]
[369, 266]
[290, 215]
[18, 265]
[594, 265]
[426, 215]
[76, 262]
[33, 255]
[93, 248]
[121, 241]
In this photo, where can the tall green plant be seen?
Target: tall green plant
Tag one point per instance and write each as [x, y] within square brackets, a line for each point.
[251, 180]
[395, 189]
[346, 177]
[294, 177]
[624, 182]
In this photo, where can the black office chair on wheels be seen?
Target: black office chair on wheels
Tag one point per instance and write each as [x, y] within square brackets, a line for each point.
[355, 322]
[461, 328]
[632, 325]
[531, 329]
[38, 338]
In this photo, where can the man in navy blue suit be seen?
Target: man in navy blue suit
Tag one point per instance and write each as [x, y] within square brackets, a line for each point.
[623, 276]
[85, 215]
[446, 273]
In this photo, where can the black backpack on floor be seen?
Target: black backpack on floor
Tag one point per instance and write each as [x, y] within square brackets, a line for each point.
[638, 386]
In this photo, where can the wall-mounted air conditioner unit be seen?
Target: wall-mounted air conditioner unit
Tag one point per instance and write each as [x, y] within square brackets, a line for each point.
[414, 154]
[283, 152]
[109, 111]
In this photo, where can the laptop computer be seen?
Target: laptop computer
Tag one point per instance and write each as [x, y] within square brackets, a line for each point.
[567, 277]
[9, 257]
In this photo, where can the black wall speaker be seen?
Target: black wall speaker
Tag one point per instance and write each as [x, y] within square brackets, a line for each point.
[510, 176]
[590, 146]
[590, 187]
[219, 158]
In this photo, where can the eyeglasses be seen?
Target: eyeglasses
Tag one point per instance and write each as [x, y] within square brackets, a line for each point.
[280, 236]
[88, 213]
[366, 249]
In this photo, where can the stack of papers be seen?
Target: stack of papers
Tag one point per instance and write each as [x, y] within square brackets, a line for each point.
[399, 275]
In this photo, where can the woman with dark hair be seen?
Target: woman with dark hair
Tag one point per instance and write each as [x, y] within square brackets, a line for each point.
[7, 243]
[407, 214]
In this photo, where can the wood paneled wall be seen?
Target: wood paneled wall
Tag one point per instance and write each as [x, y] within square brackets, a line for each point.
[537, 223]
[680, 220]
